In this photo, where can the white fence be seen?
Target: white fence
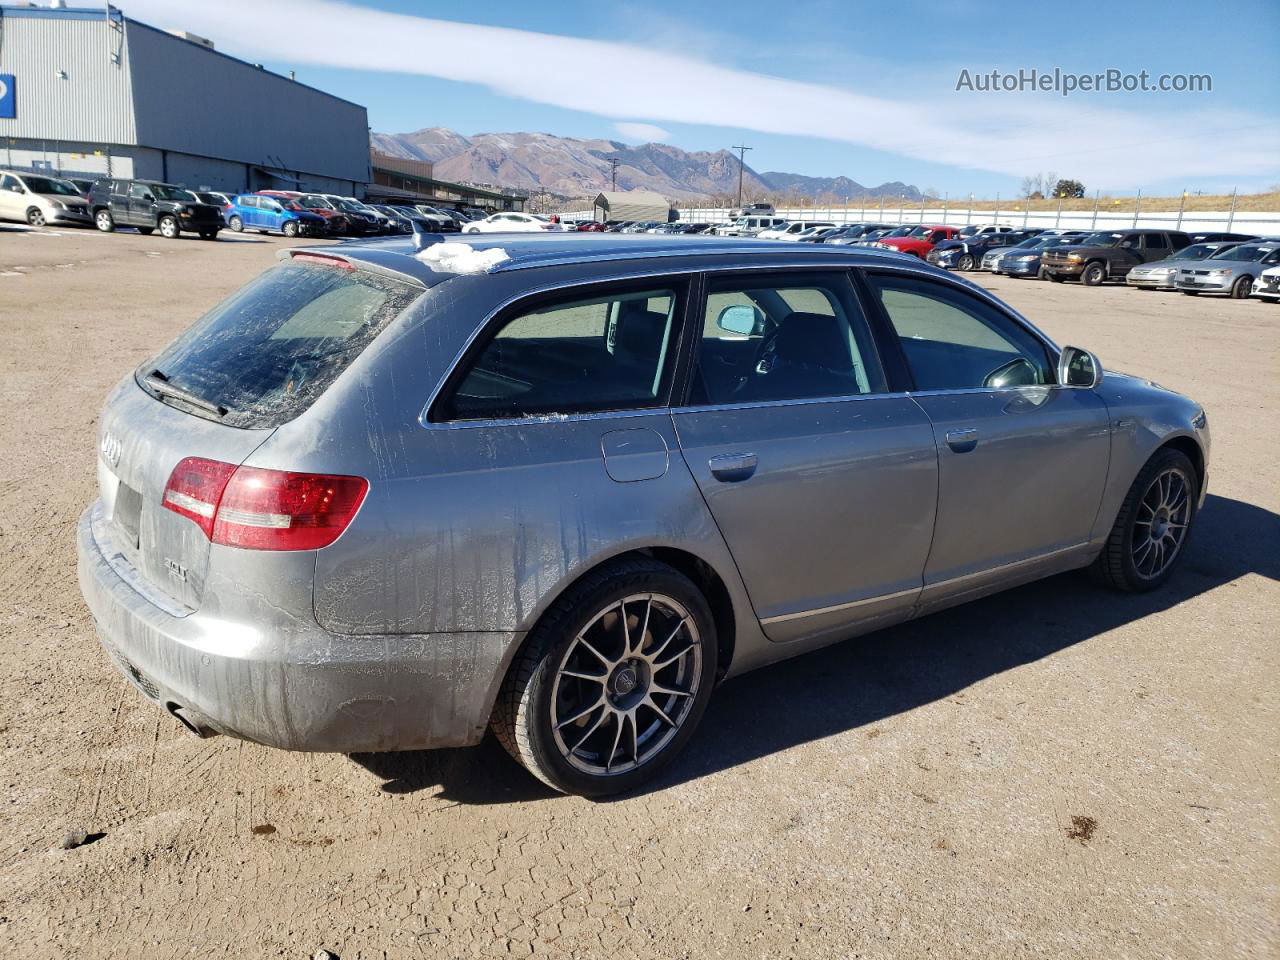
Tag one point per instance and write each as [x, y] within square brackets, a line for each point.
[960, 214]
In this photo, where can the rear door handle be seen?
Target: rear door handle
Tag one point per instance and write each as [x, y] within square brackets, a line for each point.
[962, 441]
[732, 467]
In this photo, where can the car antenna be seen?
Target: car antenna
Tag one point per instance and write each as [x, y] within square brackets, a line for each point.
[424, 238]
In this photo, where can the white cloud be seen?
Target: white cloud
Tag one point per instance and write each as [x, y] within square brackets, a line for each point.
[1009, 134]
[641, 132]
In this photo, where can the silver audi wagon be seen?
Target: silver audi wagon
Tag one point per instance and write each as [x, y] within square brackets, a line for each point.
[394, 493]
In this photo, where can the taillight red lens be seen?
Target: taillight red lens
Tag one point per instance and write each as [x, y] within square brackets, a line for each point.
[264, 509]
[194, 489]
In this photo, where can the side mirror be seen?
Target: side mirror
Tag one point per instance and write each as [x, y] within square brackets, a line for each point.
[150, 198]
[739, 319]
[1078, 368]
[17, 188]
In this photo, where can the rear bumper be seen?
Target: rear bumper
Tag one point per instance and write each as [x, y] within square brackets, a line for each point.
[287, 683]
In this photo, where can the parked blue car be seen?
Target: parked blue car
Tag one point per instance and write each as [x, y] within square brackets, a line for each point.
[253, 211]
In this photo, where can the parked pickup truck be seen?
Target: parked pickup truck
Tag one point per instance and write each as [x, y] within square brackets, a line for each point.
[920, 240]
[1110, 254]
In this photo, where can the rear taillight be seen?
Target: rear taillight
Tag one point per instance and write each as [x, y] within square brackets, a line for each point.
[263, 509]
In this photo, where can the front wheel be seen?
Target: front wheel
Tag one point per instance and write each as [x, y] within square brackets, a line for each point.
[965, 262]
[612, 681]
[35, 217]
[1093, 275]
[104, 221]
[1151, 530]
[169, 228]
[1043, 274]
[1241, 289]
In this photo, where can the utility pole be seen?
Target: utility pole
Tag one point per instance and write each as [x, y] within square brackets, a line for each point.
[613, 173]
[742, 155]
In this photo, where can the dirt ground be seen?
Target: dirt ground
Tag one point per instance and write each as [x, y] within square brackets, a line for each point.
[1058, 771]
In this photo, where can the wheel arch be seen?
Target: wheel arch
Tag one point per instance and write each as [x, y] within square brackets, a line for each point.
[1191, 449]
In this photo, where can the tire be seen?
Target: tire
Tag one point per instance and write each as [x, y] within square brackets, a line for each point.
[473, 230]
[1094, 274]
[35, 217]
[146, 231]
[290, 229]
[965, 262]
[1240, 290]
[1055, 278]
[103, 220]
[1042, 274]
[536, 695]
[169, 228]
[1192, 293]
[236, 224]
[1123, 564]
[208, 234]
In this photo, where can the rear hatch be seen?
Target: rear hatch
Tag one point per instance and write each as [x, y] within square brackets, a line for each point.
[254, 362]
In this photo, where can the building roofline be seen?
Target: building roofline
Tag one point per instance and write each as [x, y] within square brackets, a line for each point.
[100, 13]
[479, 191]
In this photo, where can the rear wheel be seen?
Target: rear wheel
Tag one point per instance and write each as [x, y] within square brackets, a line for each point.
[104, 221]
[612, 681]
[35, 217]
[1151, 530]
[1093, 275]
[291, 229]
[1241, 289]
[146, 231]
[169, 228]
[236, 224]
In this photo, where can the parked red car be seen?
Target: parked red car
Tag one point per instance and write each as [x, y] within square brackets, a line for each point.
[920, 240]
[591, 226]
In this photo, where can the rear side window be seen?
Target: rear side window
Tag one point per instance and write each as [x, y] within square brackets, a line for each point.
[265, 355]
[611, 351]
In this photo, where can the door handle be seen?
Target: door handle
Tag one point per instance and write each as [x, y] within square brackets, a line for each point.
[962, 441]
[732, 467]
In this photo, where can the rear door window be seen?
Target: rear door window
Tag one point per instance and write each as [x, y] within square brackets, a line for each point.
[263, 356]
[578, 353]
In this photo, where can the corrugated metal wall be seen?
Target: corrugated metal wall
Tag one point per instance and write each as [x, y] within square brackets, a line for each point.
[200, 102]
[94, 101]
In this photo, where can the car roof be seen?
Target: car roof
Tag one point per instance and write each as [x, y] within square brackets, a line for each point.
[531, 250]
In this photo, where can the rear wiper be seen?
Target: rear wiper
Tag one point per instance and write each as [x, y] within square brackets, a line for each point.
[158, 382]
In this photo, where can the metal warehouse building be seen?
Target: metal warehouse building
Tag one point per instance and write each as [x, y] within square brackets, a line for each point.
[90, 91]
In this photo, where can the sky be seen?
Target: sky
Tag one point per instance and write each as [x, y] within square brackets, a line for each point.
[817, 87]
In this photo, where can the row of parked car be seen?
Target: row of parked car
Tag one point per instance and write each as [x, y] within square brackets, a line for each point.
[150, 206]
[1236, 264]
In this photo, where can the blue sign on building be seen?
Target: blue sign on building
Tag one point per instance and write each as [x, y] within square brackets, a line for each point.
[8, 100]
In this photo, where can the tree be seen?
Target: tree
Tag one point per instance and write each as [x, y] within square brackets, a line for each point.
[1068, 188]
[1031, 186]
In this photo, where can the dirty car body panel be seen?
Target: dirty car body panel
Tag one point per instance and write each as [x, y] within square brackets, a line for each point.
[819, 516]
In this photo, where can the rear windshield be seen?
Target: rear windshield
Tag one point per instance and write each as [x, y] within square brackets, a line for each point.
[262, 357]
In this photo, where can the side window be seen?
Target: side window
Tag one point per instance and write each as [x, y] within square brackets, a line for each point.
[1130, 242]
[139, 191]
[249, 202]
[8, 183]
[1155, 241]
[613, 351]
[785, 337]
[954, 341]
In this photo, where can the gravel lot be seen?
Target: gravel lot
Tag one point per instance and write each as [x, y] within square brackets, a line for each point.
[1057, 771]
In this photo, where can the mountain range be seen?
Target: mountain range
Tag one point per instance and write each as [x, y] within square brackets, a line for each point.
[572, 167]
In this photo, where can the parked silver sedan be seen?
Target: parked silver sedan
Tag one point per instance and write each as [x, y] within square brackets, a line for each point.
[1163, 274]
[1231, 271]
[397, 492]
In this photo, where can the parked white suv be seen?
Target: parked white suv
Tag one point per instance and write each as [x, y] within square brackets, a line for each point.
[511, 223]
[750, 226]
[40, 200]
[792, 230]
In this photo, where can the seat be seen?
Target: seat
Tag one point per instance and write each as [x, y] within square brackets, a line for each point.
[811, 357]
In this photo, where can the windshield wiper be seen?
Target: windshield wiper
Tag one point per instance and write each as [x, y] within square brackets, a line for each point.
[161, 385]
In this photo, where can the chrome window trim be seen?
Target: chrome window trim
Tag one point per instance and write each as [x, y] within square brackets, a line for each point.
[687, 271]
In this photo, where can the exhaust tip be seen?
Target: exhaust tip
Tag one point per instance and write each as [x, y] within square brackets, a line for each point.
[194, 722]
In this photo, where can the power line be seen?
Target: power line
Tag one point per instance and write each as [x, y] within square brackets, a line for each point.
[742, 153]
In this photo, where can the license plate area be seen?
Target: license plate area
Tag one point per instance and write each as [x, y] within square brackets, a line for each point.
[128, 513]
